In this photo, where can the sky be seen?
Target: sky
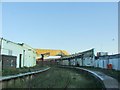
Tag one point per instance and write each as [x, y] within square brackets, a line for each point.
[70, 26]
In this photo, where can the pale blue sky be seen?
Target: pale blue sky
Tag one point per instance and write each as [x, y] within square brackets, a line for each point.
[74, 27]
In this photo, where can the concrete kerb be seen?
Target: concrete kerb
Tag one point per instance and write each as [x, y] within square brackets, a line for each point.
[107, 81]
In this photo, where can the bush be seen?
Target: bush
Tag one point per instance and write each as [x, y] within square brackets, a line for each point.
[10, 71]
[13, 71]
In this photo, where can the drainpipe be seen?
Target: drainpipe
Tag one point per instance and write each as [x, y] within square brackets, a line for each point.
[1, 49]
[1, 58]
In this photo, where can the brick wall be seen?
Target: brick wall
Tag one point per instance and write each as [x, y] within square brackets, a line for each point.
[8, 61]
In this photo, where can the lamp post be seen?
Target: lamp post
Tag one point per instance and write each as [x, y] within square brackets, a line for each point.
[0, 49]
[113, 43]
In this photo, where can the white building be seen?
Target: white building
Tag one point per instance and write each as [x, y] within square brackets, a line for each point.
[26, 55]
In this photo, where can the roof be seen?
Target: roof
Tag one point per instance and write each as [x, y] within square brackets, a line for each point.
[20, 44]
[9, 41]
[53, 57]
[26, 45]
[51, 51]
[110, 56]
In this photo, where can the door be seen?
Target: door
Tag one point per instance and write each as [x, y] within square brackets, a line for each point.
[20, 57]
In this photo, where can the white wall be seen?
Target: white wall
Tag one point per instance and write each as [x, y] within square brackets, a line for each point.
[30, 56]
[114, 63]
[72, 62]
[104, 63]
[65, 62]
[101, 63]
[79, 60]
[96, 63]
[88, 61]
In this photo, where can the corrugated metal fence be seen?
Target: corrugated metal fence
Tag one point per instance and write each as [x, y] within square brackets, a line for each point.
[103, 62]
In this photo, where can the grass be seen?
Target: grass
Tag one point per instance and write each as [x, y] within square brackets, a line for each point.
[113, 73]
[13, 71]
[59, 78]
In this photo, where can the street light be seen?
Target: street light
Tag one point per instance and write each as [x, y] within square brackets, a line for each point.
[113, 43]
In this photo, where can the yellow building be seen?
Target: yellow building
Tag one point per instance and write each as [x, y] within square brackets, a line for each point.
[50, 52]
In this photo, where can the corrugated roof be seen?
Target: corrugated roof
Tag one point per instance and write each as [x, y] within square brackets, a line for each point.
[110, 56]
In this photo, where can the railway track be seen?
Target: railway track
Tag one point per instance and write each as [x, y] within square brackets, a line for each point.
[57, 77]
[67, 83]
